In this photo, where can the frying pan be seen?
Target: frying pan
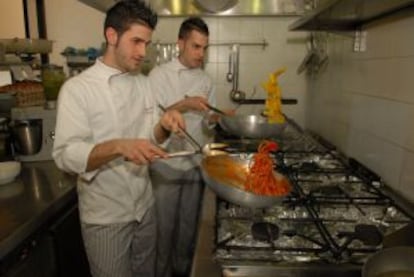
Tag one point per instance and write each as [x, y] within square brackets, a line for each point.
[227, 182]
[251, 126]
[390, 262]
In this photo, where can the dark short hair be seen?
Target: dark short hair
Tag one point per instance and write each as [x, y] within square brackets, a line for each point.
[190, 24]
[127, 12]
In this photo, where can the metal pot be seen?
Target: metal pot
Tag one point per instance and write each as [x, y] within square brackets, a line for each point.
[5, 144]
[251, 126]
[390, 262]
[228, 183]
[27, 136]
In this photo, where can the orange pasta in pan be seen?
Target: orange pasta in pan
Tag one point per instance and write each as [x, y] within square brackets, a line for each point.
[261, 178]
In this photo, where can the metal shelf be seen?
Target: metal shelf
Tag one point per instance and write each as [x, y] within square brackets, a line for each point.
[347, 15]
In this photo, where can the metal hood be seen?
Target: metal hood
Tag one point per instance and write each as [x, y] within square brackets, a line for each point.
[214, 7]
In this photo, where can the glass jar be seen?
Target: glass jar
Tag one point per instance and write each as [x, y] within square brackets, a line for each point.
[52, 79]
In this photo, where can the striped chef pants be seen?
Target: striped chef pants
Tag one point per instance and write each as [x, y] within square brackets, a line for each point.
[122, 250]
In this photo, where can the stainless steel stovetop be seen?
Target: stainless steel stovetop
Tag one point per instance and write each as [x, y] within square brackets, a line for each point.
[338, 213]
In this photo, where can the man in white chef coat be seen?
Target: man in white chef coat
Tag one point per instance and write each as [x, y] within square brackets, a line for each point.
[107, 132]
[181, 84]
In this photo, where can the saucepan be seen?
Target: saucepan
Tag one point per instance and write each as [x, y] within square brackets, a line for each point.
[253, 126]
[226, 175]
[390, 262]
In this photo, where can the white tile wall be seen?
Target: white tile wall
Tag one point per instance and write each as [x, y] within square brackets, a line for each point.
[371, 100]
[256, 63]
[72, 23]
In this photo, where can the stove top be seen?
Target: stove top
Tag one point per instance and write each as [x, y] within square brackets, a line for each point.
[337, 214]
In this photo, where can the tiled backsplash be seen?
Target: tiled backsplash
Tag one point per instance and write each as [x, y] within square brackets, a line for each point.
[364, 101]
[256, 63]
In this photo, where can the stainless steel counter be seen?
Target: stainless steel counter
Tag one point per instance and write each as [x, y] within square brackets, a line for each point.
[34, 197]
[203, 264]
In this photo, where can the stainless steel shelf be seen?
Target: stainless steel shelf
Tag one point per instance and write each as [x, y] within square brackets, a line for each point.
[347, 15]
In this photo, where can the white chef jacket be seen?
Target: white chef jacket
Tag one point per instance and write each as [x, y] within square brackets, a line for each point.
[97, 105]
[170, 83]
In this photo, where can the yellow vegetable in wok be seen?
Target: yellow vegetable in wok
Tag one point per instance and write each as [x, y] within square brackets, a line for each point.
[273, 105]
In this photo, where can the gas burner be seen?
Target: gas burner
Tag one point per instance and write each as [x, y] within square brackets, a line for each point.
[368, 234]
[331, 191]
[334, 216]
[312, 162]
[265, 231]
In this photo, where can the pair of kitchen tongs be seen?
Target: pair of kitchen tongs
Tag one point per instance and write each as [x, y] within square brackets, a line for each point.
[208, 149]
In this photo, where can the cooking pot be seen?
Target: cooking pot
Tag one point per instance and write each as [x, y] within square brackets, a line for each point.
[227, 180]
[5, 144]
[27, 136]
[251, 126]
[390, 262]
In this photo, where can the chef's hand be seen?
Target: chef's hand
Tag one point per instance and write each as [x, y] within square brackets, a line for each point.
[171, 122]
[140, 151]
[214, 117]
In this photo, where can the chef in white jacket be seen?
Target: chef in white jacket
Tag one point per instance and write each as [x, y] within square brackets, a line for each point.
[182, 84]
[107, 131]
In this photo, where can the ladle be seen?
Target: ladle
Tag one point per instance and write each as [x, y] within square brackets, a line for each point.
[235, 93]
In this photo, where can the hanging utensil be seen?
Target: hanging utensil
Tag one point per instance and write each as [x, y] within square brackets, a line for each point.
[230, 74]
[235, 94]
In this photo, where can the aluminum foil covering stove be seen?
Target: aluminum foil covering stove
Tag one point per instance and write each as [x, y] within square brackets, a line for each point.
[334, 218]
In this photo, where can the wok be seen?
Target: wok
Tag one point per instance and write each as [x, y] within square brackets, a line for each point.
[227, 180]
[251, 126]
[390, 262]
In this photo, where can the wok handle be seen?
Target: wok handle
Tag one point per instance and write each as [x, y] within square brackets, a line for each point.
[285, 101]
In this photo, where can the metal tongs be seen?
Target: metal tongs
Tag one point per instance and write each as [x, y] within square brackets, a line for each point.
[209, 149]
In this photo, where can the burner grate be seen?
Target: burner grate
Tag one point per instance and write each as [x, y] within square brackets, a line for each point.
[336, 214]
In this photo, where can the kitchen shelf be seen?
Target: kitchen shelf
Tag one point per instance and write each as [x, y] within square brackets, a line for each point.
[347, 15]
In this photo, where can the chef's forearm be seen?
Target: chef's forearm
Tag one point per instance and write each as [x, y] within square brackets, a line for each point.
[103, 153]
[179, 106]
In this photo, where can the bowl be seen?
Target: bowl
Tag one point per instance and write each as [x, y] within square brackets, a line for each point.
[8, 171]
[251, 126]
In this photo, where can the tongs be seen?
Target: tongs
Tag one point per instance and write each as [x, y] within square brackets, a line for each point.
[209, 149]
[212, 108]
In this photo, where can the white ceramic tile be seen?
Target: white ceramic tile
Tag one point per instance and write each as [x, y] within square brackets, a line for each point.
[343, 108]
[382, 157]
[167, 30]
[251, 29]
[228, 29]
[402, 79]
[222, 97]
[401, 34]
[409, 140]
[388, 120]
[212, 54]
[223, 53]
[407, 176]
[378, 44]
[339, 135]
[212, 24]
